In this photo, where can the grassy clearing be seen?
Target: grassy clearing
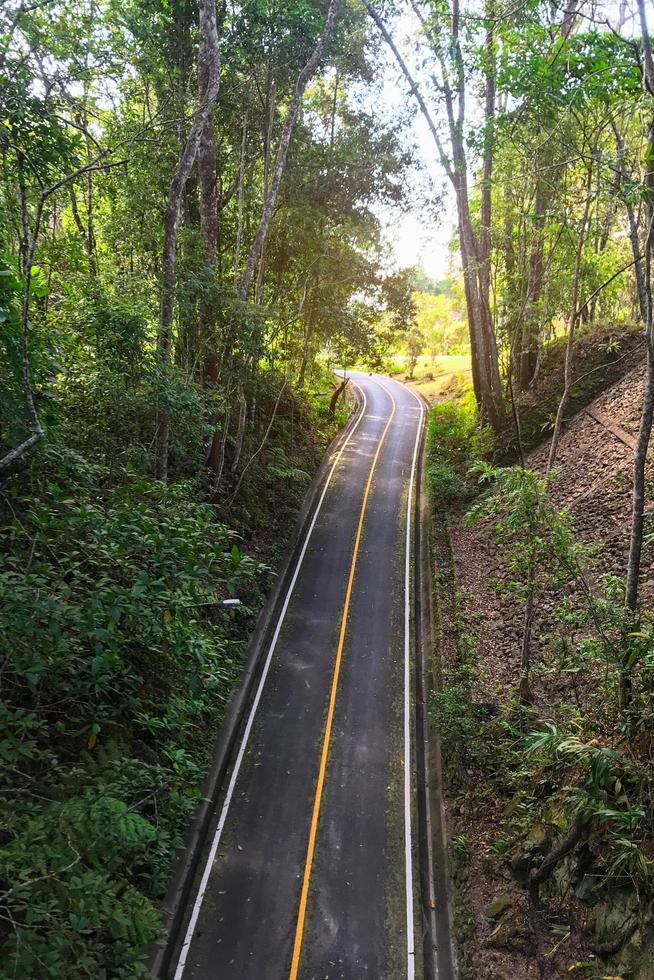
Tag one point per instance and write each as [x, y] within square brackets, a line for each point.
[445, 376]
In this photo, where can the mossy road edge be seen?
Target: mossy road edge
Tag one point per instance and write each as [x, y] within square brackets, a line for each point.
[440, 961]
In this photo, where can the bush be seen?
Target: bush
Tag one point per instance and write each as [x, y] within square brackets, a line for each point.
[117, 664]
[446, 486]
[455, 442]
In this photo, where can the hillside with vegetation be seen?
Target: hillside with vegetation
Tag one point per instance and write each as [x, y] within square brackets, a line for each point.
[192, 202]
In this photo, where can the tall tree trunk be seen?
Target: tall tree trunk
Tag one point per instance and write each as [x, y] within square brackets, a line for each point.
[304, 360]
[634, 238]
[333, 401]
[82, 229]
[217, 447]
[487, 164]
[544, 313]
[261, 444]
[647, 411]
[531, 333]
[239, 204]
[529, 346]
[270, 99]
[240, 432]
[208, 63]
[90, 227]
[208, 184]
[303, 79]
[332, 127]
[207, 178]
[574, 316]
[23, 247]
[495, 408]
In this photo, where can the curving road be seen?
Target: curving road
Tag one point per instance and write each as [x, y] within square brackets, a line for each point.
[309, 871]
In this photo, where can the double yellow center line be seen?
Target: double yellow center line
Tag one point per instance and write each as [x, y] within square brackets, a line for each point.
[311, 847]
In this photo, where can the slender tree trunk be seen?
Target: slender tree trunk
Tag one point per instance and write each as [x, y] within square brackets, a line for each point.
[305, 356]
[208, 181]
[217, 447]
[209, 63]
[487, 164]
[239, 205]
[544, 315]
[638, 495]
[482, 335]
[634, 238]
[83, 234]
[261, 444]
[647, 411]
[23, 247]
[529, 346]
[601, 243]
[485, 364]
[270, 96]
[37, 429]
[332, 128]
[303, 79]
[333, 401]
[495, 408]
[208, 185]
[90, 228]
[240, 432]
[574, 316]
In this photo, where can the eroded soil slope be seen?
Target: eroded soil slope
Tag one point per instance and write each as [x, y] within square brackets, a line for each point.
[499, 934]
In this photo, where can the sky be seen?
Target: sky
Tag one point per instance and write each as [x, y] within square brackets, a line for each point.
[416, 238]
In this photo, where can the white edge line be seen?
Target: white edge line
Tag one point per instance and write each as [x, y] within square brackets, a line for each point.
[188, 938]
[408, 843]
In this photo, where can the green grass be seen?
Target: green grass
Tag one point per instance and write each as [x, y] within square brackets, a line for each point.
[445, 376]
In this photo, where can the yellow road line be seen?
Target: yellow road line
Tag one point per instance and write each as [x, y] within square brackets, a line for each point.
[299, 930]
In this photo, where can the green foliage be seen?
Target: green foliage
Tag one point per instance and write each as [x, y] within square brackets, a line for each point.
[461, 848]
[454, 435]
[602, 786]
[118, 664]
[455, 442]
[540, 541]
[444, 485]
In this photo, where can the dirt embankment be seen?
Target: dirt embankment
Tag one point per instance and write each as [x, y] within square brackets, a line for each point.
[500, 935]
[602, 357]
[593, 482]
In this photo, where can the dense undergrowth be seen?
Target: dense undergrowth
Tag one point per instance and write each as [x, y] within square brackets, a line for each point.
[566, 793]
[117, 658]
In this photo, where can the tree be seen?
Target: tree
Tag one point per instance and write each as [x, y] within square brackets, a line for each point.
[443, 34]
[645, 292]
[282, 151]
[209, 78]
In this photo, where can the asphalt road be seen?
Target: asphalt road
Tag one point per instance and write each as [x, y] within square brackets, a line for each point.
[309, 869]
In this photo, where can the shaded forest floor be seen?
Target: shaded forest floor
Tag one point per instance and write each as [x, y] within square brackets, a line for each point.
[504, 807]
